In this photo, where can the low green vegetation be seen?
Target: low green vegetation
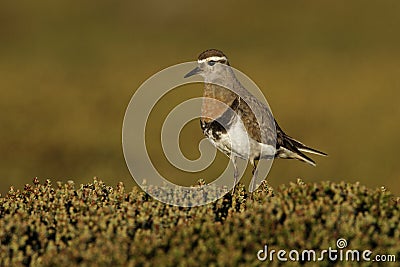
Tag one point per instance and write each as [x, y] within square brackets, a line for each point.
[60, 224]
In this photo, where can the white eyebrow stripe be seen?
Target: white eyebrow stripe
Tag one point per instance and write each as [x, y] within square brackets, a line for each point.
[213, 58]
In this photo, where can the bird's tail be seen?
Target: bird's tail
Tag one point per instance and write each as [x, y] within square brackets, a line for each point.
[293, 149]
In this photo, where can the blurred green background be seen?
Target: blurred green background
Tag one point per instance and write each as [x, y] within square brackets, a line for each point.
[330, 71]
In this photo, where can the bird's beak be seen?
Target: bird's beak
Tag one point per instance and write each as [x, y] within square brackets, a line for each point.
[193, 72]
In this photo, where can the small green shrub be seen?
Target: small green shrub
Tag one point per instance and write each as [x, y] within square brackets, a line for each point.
[100, 225]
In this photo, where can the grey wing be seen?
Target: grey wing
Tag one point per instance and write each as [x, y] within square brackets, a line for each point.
[267, 124]
[262, 112]
[264, 118]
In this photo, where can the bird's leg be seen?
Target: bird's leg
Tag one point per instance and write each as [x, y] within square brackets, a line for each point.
[235, 172]
[254, 172]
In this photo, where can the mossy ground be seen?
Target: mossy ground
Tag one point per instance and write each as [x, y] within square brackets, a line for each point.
[100, 225]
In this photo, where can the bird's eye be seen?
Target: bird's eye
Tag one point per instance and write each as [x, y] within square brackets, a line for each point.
[212, 62]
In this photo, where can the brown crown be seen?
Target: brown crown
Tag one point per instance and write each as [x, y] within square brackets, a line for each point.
[211, 53]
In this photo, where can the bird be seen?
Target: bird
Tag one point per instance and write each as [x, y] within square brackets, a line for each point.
[239, 124]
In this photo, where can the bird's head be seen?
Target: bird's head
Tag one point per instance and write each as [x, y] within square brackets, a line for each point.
[212, 64]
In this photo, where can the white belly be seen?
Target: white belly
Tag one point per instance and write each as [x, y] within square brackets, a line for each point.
[237, 142]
